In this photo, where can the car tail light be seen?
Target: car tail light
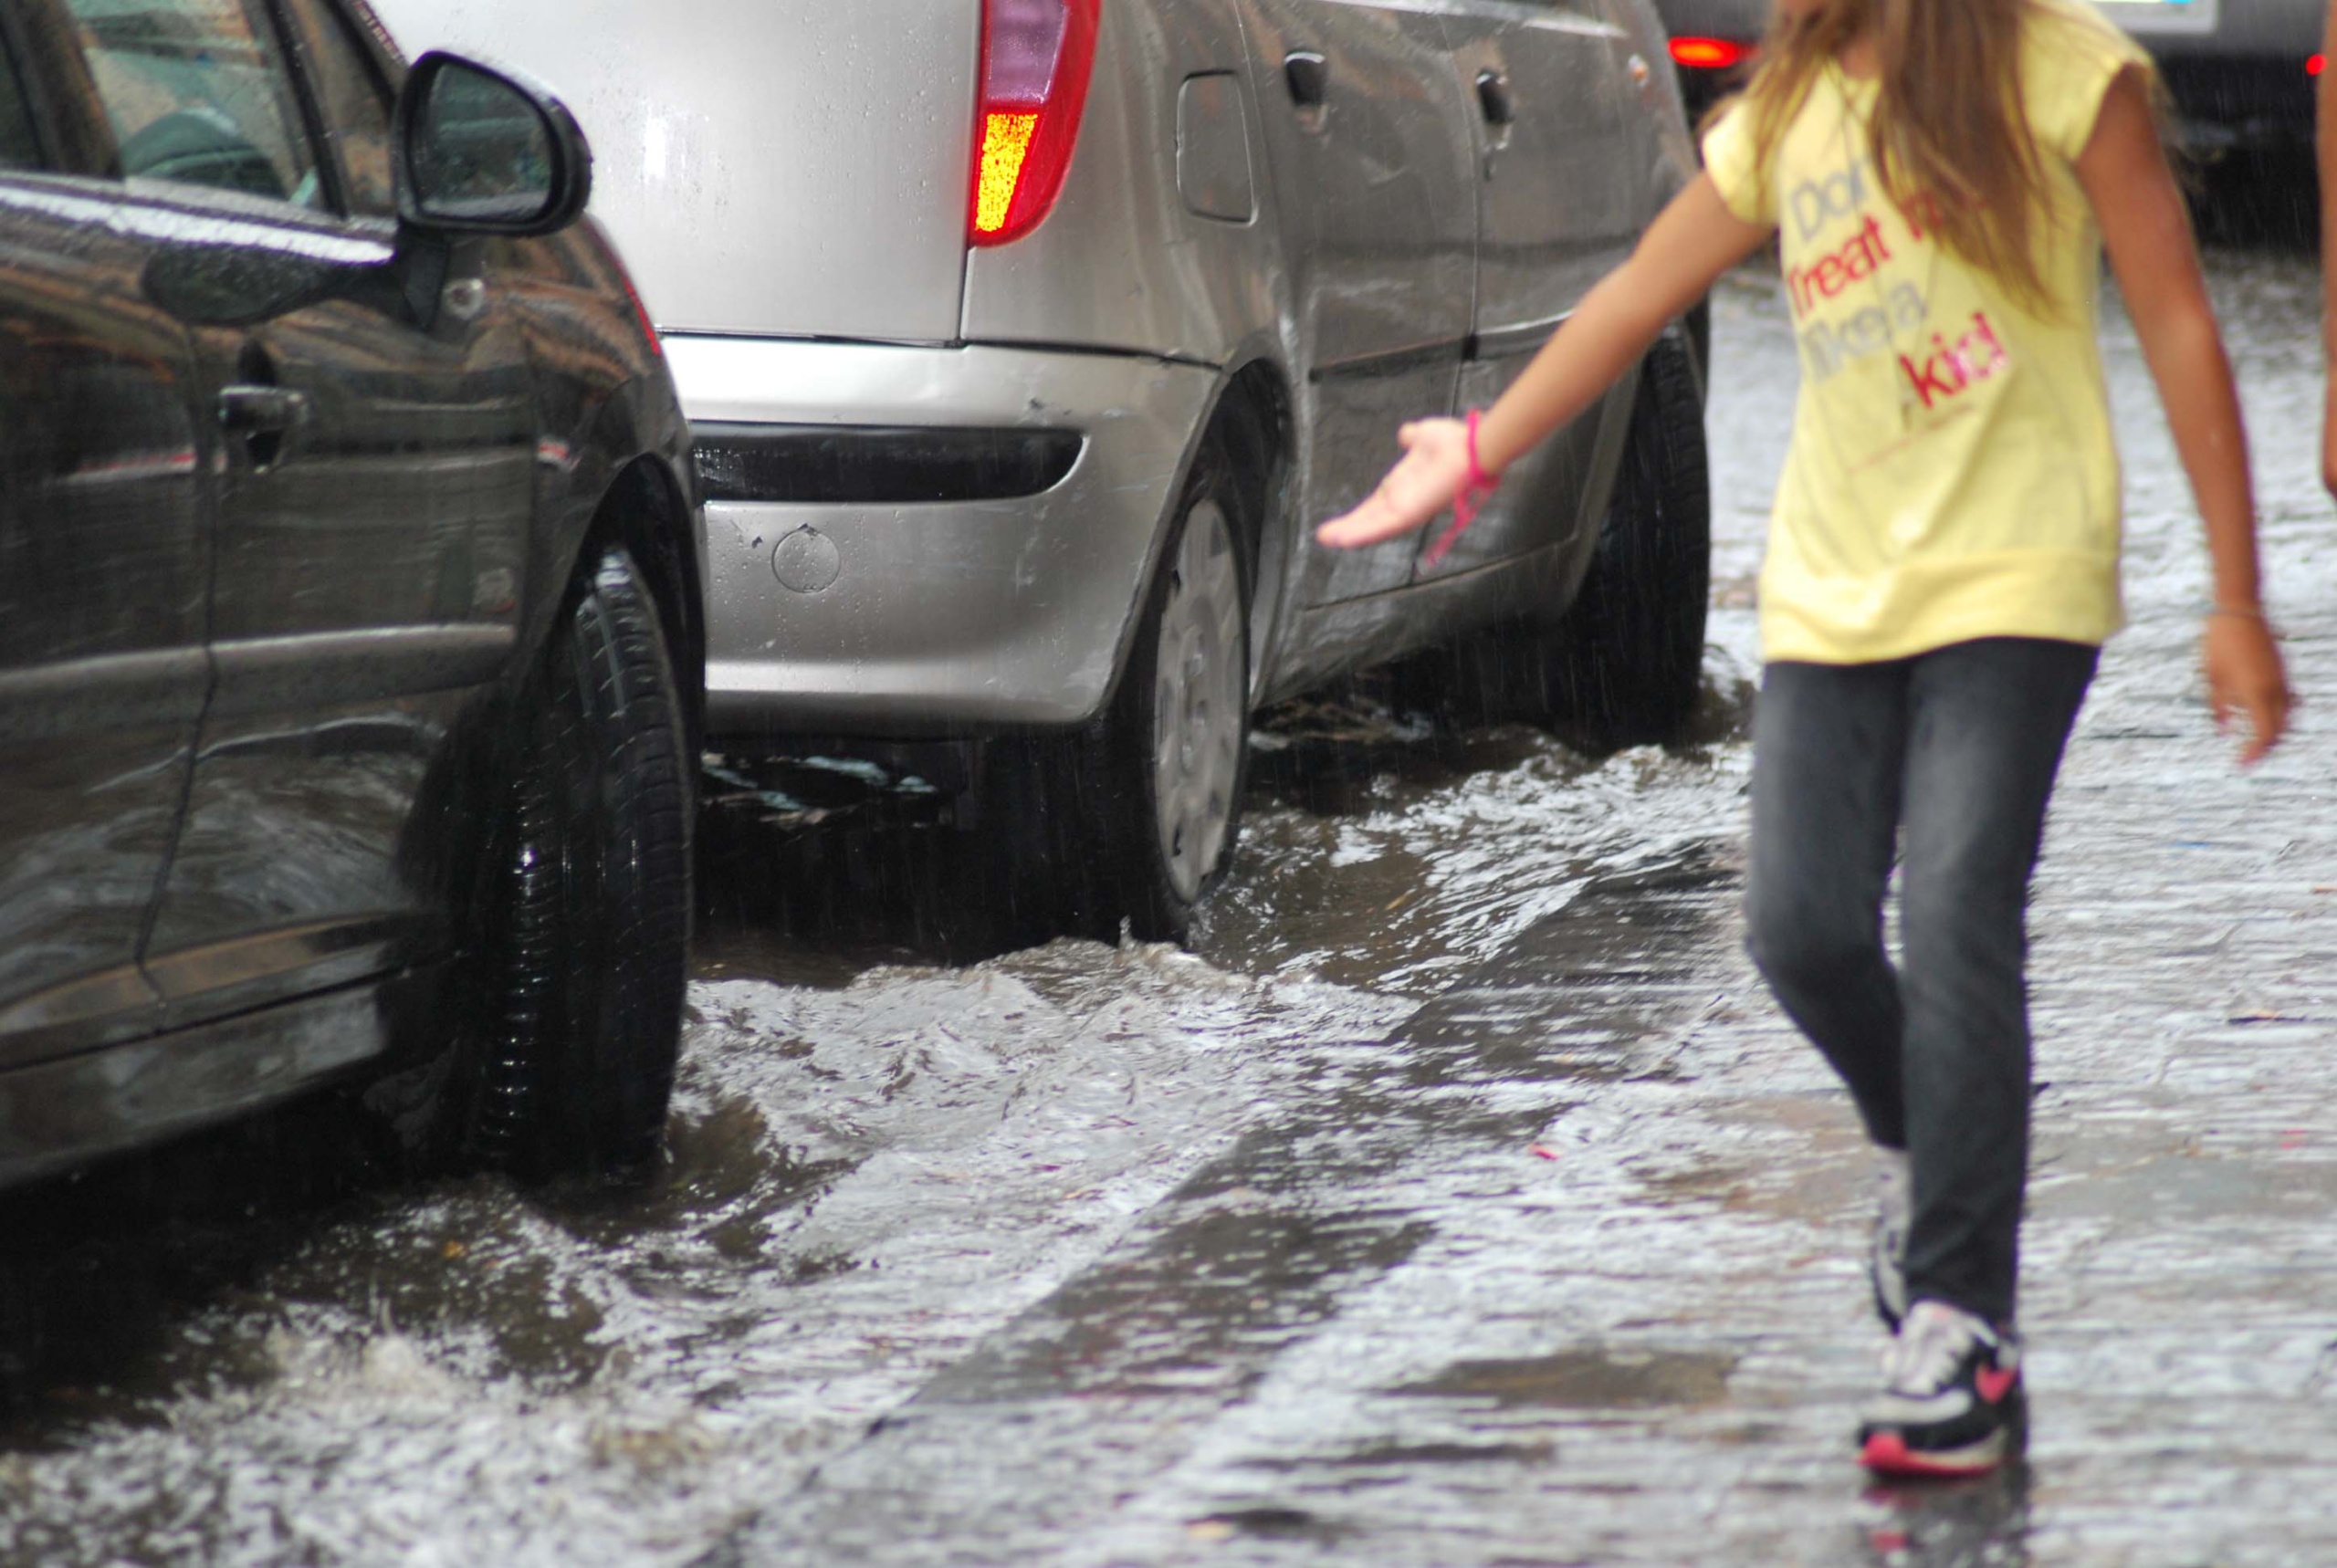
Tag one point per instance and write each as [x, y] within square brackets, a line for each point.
[1709, 54]
[2315, 64]
[1037, 57]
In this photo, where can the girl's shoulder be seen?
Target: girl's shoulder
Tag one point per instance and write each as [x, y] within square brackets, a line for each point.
[2070, 53]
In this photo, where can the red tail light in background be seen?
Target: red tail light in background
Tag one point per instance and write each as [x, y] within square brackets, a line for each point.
[2315, 64]
[1037, 57]
[1710, 54]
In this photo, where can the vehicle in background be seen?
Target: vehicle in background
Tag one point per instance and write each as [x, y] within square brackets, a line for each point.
[350, 581]
[2240, 72]
[1025, 340]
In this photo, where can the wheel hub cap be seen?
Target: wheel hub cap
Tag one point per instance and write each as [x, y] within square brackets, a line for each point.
[1198, 709]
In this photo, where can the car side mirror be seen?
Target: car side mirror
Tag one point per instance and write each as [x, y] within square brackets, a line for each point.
[482, 152]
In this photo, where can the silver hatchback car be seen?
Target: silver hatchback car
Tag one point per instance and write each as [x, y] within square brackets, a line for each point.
[1023, 339]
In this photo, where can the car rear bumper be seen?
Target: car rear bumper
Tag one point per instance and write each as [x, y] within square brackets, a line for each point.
[907, 540]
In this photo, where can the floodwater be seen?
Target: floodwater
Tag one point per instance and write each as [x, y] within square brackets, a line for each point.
[1459, 1200]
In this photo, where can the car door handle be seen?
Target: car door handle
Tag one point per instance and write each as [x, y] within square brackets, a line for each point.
[1308, 76]
[1493, 97]
[247, 409]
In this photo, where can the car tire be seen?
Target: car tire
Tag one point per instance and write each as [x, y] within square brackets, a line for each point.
[1627, 659]
[590, 910]
[1131, 824]
[1178, 745]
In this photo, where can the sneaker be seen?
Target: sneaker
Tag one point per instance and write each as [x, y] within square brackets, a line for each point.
[1951, 1401]
[1886, 1263]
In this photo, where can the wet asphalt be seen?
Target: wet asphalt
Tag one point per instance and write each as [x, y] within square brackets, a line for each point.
[1461, 1199]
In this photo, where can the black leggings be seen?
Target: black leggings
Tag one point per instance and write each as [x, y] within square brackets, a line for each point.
[1957, 749]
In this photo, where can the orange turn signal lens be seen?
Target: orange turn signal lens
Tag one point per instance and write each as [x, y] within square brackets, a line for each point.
[1006, 146]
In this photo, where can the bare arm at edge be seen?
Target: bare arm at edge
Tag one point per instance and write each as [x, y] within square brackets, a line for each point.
[2146, 230]
[1692, 242]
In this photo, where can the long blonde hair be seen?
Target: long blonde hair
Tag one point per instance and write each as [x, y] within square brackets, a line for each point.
[1949, 139]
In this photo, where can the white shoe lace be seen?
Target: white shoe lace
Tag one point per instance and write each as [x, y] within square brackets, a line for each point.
[1932, 1342]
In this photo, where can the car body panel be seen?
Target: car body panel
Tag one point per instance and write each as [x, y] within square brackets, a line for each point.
[1375, 199]
[1553, 218]
[105, 537]
[366, 584]
[940, 614]
[1125, 262]
[789, 167]
[64, 1111]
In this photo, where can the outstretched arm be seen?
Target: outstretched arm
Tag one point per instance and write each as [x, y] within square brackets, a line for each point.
[2147, 233]
[1692, 242]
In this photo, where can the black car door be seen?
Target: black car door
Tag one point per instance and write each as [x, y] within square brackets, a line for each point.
[104, 475]
[372, 526]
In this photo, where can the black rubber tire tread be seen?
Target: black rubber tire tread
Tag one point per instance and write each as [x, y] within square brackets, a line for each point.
[1627, 660]
[597, 900]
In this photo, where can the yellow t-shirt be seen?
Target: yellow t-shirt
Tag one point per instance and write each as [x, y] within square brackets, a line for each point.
[1951, 473]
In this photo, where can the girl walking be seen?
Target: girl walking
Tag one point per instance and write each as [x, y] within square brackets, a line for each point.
[1941, 177]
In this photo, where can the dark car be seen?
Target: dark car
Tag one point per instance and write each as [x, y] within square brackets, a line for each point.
[349, 565]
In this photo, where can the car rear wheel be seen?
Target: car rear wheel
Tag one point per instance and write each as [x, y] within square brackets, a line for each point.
[1627, 658]
[1183, 727]
[587, 952]
[1135, 822]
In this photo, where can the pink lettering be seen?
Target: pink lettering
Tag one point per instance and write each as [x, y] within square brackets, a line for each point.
[1831, 274]
[1926, 380]
[1945, 371]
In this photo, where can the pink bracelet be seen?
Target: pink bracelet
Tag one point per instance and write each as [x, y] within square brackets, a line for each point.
[1475, 491]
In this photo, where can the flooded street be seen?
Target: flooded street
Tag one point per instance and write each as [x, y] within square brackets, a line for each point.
[1461, 1199]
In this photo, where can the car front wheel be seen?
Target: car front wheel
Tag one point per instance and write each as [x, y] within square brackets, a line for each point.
[588, 945]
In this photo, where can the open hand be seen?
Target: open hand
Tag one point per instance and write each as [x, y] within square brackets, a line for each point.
[1434, 468]
[2245, 680]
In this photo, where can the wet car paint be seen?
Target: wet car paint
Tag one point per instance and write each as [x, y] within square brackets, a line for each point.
[1462, 1201]
[258, 672]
